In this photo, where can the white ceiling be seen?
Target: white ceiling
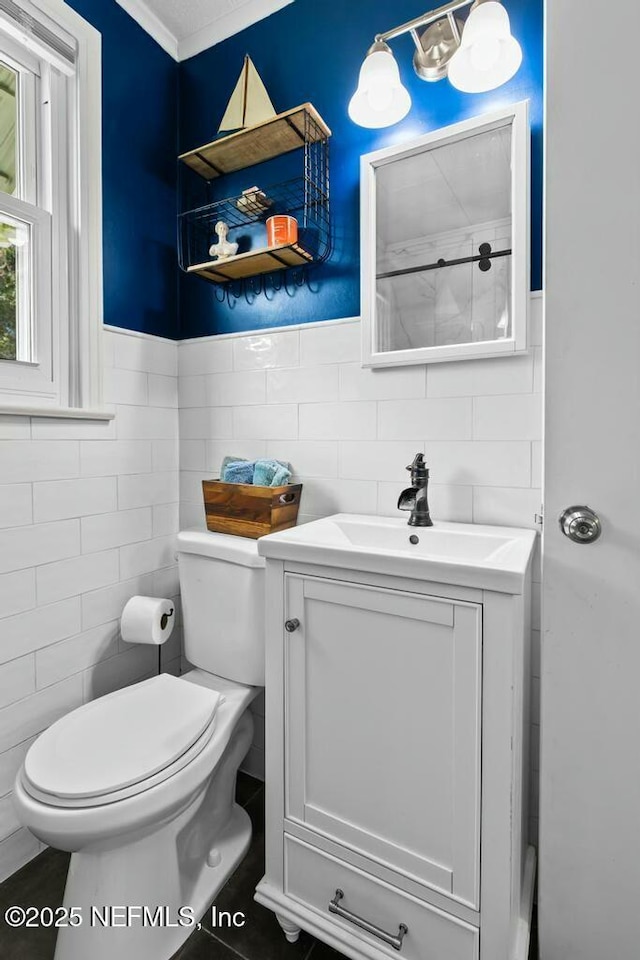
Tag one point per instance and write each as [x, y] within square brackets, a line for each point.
[186, 27]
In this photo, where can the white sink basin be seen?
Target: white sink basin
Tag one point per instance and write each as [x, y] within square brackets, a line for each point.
[467, 554]
[434, 542]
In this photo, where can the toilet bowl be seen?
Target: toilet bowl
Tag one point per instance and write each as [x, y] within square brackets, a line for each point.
[139, 784]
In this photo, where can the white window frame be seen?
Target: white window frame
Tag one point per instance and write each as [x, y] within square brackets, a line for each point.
[64, 377]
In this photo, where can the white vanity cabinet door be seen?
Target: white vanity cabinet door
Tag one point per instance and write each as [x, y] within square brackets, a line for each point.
[382, 729]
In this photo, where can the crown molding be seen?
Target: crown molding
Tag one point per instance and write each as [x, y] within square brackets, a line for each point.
[220, 29]
[149, 22]
[226, 26]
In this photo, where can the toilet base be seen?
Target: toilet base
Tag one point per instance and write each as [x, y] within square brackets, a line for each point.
[182, 863]
[137, 942]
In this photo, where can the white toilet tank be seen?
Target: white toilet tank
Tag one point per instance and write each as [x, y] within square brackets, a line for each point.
[222, 590]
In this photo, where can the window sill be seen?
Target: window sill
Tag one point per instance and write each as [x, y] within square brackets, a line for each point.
[58, 413]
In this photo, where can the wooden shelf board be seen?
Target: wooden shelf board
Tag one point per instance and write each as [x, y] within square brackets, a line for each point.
[264, 141]
[253, 263]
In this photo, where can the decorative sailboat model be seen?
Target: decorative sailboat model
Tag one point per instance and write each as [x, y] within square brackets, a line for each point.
[249, 103]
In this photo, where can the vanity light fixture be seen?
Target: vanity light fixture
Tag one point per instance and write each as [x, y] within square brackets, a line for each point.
[477, 55]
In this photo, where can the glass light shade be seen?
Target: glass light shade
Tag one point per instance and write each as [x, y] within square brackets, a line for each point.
[380, 99]
[488, 55]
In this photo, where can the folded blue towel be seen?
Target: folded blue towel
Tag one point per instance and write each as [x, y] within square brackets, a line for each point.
[238, 471]
[263, 473]
[270, 473]
[227, 460]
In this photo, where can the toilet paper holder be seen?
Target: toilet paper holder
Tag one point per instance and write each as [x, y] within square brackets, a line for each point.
[164, 619]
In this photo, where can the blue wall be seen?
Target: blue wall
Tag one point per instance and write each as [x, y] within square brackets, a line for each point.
[313, 51]
[307, 51]
[139, 129]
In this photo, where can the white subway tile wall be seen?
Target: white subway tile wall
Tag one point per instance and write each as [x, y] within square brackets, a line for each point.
[88, 517]
[301, 395]
[89, 511]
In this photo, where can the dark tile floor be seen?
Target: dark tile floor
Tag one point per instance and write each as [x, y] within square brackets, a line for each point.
[41, 883]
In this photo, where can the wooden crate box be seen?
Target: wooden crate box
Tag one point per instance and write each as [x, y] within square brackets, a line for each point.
[246, 510]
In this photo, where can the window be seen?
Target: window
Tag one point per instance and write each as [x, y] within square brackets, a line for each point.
[50, 210]
[12, 236]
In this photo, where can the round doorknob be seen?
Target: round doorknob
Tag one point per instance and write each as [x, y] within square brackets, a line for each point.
[581, 524]
[291, 625]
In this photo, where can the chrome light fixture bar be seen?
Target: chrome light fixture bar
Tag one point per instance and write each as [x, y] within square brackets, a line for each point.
[477, 55]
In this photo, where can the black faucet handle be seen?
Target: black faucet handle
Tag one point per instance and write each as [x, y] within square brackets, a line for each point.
[418, 468]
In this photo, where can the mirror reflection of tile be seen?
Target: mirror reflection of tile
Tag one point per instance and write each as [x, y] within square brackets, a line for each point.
[442, 204]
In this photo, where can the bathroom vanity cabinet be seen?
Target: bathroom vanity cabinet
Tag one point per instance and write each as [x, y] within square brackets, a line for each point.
[396, 761]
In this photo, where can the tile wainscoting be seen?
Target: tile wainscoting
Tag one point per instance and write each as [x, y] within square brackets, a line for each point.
[89, 510]
[88, 515]
[301, 395]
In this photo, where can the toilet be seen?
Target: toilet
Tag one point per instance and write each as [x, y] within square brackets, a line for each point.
[139, 784]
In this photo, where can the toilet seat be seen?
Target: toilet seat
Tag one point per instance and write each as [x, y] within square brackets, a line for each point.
[121, 744]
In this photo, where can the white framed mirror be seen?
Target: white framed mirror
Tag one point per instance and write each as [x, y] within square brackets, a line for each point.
[445, 243]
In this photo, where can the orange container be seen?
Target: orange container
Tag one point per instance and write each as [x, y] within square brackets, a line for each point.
[281, 230]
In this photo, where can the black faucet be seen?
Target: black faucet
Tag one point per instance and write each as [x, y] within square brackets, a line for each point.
[414, 498]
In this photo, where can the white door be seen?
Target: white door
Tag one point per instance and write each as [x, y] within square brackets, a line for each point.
[382, 700]
[589, 879]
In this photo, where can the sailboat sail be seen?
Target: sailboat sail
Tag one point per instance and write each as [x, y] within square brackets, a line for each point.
[249, 103]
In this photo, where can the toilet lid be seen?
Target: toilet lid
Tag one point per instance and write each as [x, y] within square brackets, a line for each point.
[120, 739]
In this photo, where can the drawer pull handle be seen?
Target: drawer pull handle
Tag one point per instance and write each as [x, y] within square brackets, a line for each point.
[395, 942]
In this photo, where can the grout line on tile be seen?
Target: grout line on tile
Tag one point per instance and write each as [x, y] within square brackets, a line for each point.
[225, 944]
[253, 796]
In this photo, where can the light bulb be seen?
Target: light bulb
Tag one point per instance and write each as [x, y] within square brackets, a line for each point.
[380, 94]
[485, 54]
[488, 54]
[384, 99]
[380, 99]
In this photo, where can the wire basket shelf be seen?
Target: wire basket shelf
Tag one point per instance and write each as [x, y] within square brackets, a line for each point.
[300, 198]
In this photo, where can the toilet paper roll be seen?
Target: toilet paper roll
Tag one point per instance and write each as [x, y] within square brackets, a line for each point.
[147, 620]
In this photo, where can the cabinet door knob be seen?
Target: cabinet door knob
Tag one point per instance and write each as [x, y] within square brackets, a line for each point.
[291, 625]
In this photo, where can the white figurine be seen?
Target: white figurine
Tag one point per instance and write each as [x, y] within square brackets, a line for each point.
[223, 249]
